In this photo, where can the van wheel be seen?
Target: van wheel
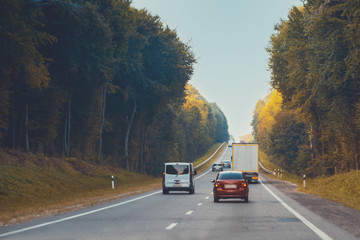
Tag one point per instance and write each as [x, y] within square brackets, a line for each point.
[192, 191]
[216, 199]
[165, 191]
[246, 199]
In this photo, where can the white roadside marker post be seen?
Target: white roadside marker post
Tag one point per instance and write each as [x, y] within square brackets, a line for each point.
[304, 180]
[112, 182]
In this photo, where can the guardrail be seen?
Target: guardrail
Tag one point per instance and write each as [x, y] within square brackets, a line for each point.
[209, 157]
[266, 170]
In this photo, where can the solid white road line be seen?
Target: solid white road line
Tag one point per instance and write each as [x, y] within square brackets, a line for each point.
[171, 226]
[320, 233]
[189, 212]
[90, 212]
[77, 215]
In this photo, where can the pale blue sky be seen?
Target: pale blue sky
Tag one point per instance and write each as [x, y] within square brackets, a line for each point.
[228, 39]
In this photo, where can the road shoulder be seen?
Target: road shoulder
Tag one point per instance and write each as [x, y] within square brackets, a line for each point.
[342, 216]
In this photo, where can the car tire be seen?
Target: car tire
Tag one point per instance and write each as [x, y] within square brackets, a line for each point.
[165, 191]
[216, 199]
[246, 199]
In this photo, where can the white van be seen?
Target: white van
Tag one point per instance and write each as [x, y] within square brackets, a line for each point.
[179, 176]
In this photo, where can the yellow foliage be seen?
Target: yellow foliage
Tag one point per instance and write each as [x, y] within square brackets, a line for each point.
[194, 99]
[266, 119]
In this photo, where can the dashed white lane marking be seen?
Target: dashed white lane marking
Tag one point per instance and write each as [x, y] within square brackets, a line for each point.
[189, 212]
[199, 204]
[316, 230]
[171, 226]
[207, 197]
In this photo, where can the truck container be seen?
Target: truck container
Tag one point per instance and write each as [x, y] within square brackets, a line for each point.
[245, 157]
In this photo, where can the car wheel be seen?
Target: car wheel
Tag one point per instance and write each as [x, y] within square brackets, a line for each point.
[246, 199]
[191, 191]
[216, 199]
[165, 191]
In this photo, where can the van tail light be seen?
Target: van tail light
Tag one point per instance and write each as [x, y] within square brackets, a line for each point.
[163, 173]
[255, 177]
[217, 184]
[244, 184]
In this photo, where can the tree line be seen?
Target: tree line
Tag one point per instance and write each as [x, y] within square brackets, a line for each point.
[100, 81]
[310, 123]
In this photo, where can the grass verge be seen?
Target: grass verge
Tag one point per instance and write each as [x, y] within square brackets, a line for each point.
[33, 186]
[343, 188]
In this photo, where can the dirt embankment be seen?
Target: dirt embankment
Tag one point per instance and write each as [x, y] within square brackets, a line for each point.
[342, 216]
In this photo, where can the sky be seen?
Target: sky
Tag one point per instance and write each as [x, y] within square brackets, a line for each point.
[229, 40]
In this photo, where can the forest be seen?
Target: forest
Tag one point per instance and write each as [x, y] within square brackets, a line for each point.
[100, 81]
[310, 122]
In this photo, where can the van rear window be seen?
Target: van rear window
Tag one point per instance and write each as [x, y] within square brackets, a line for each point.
[177, 169]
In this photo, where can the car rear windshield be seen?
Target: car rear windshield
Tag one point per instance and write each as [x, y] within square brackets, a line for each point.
[177, 169]
[231, 175]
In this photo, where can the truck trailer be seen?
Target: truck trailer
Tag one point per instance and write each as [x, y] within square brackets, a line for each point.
[245, 157]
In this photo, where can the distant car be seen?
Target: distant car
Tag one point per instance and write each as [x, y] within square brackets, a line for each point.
[230, 185]
[217, 167]
[226, 164]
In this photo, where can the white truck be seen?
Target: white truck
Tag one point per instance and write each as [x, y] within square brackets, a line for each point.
[245, 157]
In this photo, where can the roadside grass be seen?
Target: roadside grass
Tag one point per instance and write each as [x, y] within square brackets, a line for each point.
[343, 188]
[33, 186]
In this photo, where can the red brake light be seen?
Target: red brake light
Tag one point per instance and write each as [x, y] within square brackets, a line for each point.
[217, 184]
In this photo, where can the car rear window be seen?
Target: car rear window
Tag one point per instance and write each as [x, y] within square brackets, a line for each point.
[177, 169]
[231, 175]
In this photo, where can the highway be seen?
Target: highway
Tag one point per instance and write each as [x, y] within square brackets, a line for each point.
[269, 214]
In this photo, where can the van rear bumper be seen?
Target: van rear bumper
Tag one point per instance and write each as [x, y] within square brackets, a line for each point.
[171, 187]
[177, 188]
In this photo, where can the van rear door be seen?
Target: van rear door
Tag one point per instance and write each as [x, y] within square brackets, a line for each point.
[177, 175]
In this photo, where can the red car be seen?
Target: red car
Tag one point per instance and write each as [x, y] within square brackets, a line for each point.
[230, 185]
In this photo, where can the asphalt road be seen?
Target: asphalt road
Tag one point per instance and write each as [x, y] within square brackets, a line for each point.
[269, 214]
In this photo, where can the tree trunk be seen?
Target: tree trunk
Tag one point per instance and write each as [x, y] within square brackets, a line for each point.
[65, 134]
[102, 119]
[27, 146]
[127, 164]
[13, 131]
[142, 150]
[67, 153]
[311, 143]
[356, 155]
